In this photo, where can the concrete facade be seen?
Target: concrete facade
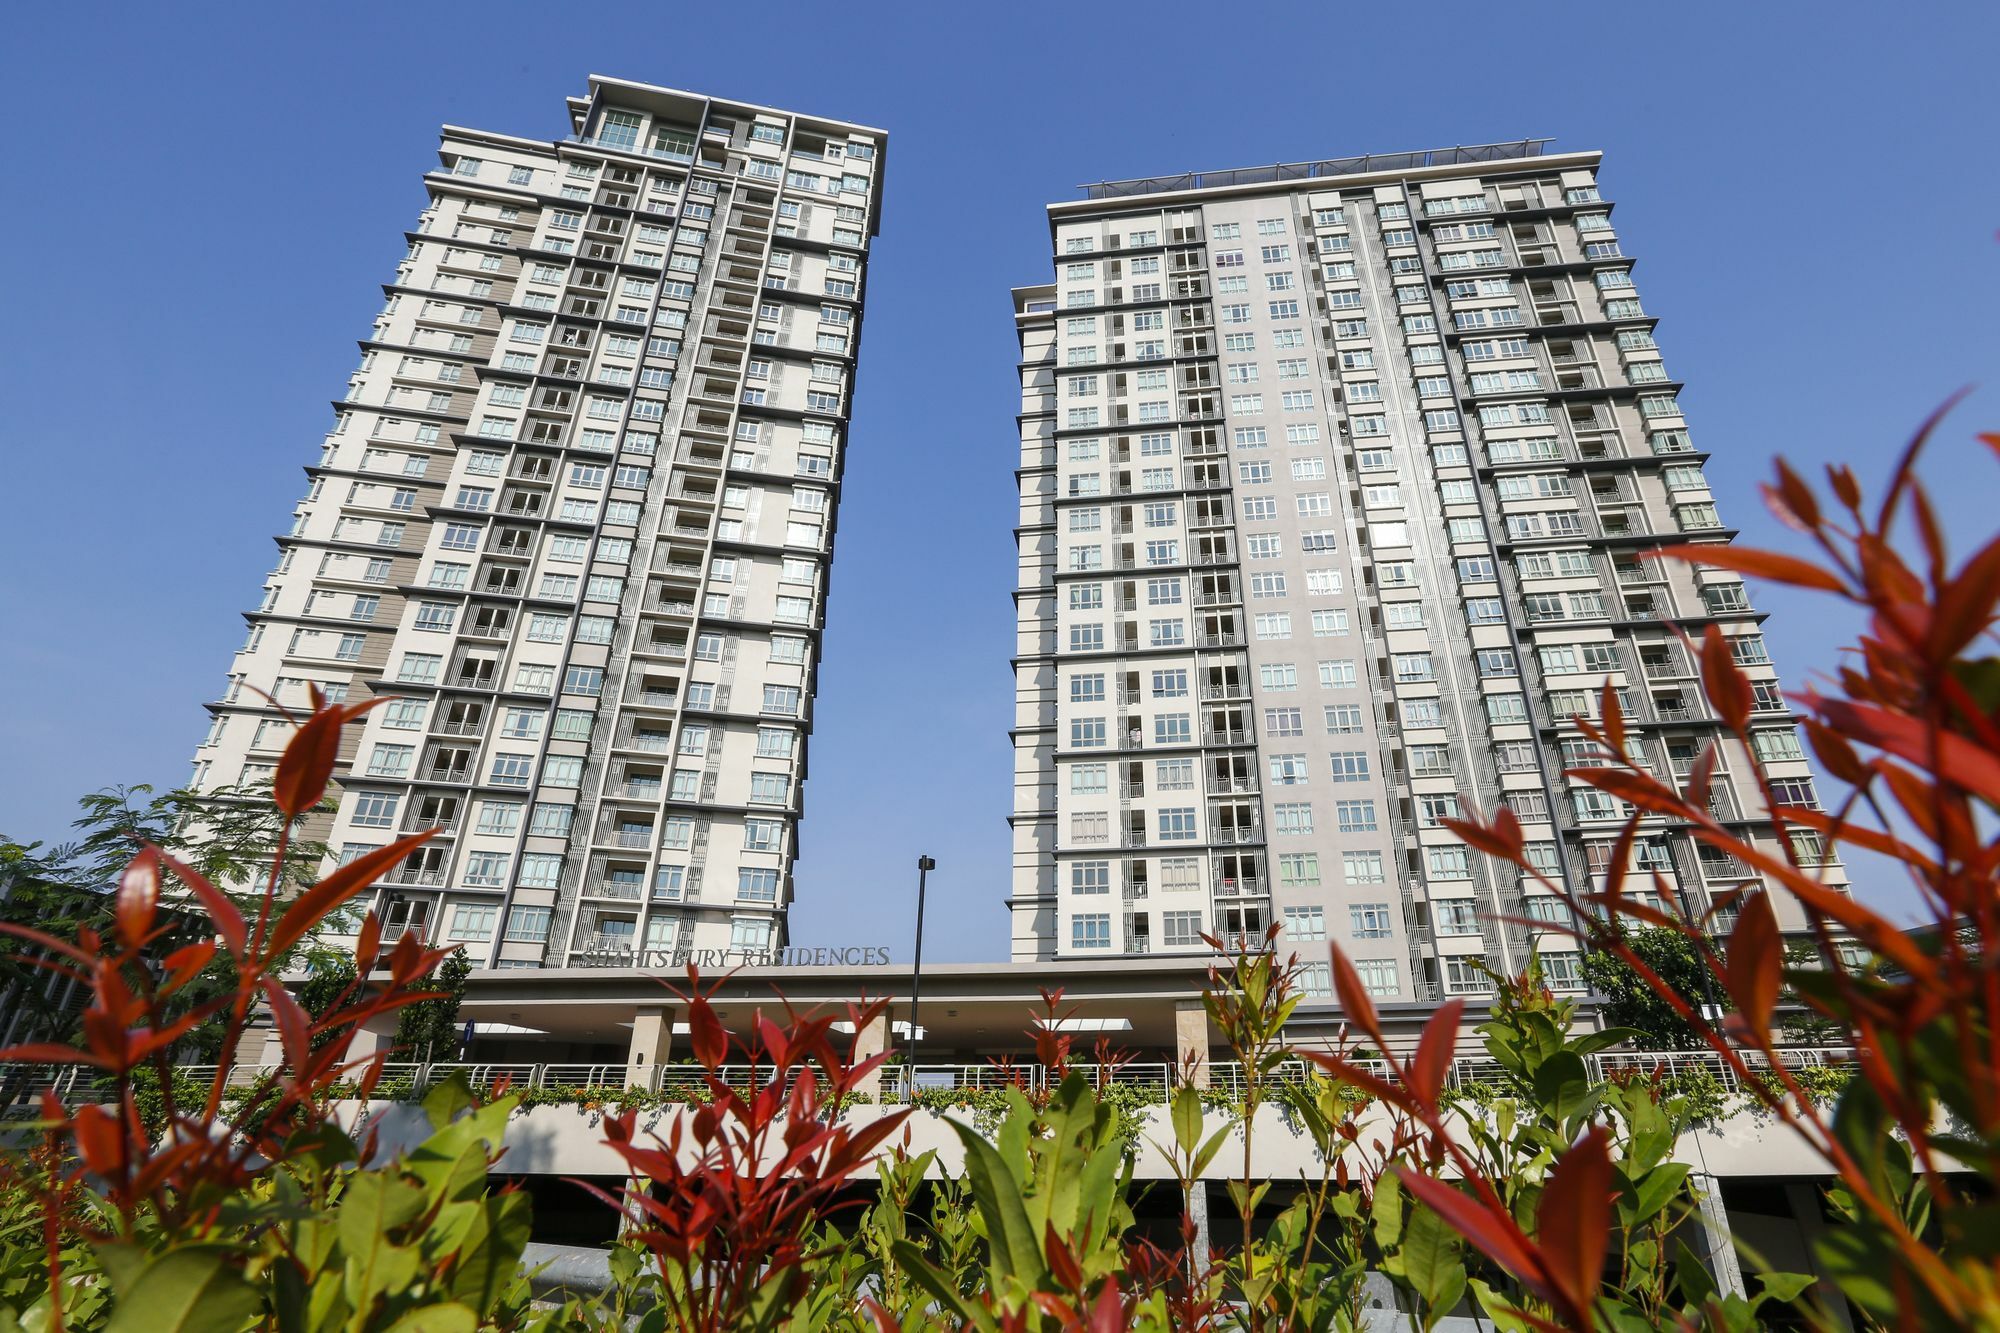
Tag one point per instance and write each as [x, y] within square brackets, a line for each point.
[1338, 484]
[574, 521]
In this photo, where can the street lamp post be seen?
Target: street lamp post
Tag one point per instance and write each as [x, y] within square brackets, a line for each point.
[925, 865]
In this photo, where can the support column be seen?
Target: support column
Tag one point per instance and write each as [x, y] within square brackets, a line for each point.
[652, 1045]
[1721, 1245]
[1803, 1196]
[1191, 1042]
[871, 1041]
[377, 1034]
[1197, 1210]
[1191, 1039]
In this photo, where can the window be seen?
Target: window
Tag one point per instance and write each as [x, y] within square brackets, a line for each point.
[1348, 766]
[1448, 862]
[1090, 877]
[1293, 817]
[1305, 924]
[374, 809]
[1090, 930]
[1182, 929]
[1355, 816]
[472, 921]
[1378, 976]
[390, 761]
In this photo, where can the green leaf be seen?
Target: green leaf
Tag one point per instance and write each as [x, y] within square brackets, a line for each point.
[1432, 1262]
[1211, 1148]
[1187, 1117]
[919, 1270]
[1505, 1316]
[1696, 1284]
[1590, 1043]
[450, 1318]
[1015, 1247]
[1656, 1188]
[445, 1100]
[1388, 1212]
[491, 1249]
[1783, 1288]
[191, 1290]
[371, 1206]
[1562, 1085]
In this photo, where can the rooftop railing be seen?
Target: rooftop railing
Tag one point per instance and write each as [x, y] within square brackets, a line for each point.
[1338, 166]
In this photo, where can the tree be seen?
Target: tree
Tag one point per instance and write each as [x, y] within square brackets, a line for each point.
[228, 835]
[1629, 1002]
[330, 973]
[428, 1029]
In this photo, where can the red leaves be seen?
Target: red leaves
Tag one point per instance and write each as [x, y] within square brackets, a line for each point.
[1501, 838]
[1791, 500]
[1564, 1262]
[1434, 1052]
[1758, 564]
[1641, 789]
[705, 1031]
[1353, 993]
[1613, 714]
[1573, 1221]
[222, 912]
[311, 907]
[1723, 682]
[740, 1183]
[1491, 1230]
[1961, 761]
[1753, 968]
[138, 897]
[307, 764]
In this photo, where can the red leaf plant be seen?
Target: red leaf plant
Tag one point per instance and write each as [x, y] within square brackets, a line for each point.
[729, 1201]
[1911, 722]
[180, 1176]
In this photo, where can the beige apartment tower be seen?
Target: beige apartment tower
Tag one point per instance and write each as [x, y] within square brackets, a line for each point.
[574, 519]
[1337, 483]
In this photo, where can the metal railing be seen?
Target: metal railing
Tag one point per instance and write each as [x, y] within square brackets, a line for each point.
[901, 1084]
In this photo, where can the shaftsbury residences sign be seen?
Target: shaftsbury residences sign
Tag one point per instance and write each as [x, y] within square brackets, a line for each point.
[602, 955]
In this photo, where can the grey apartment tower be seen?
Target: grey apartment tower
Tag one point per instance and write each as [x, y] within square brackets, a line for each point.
[573, 519]
[1337, 482]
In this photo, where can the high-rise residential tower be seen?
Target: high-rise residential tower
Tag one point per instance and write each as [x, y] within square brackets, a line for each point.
[574, 519]
[1338, 481]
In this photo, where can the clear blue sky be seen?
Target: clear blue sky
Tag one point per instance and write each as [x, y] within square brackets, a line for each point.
[205, 201]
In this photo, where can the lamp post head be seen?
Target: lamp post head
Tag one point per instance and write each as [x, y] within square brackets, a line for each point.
[926, 863]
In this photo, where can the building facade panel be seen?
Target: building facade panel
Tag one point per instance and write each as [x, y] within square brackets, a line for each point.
[1343, 485]
[574, 521]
